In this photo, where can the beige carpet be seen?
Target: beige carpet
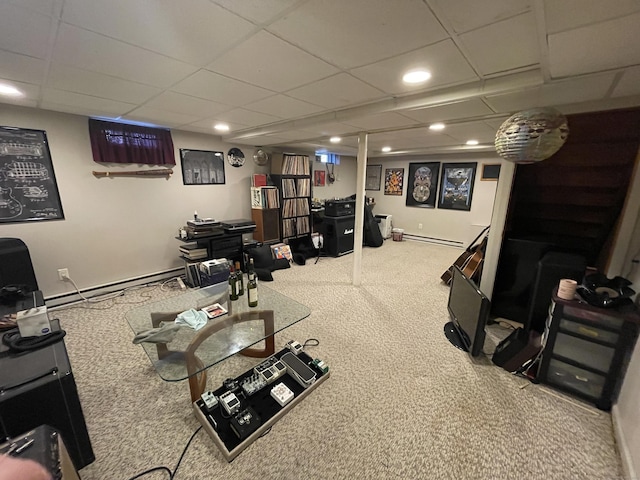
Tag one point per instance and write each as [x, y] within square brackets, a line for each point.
[401, 402]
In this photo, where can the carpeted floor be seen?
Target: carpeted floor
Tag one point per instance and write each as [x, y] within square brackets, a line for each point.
[401, 401]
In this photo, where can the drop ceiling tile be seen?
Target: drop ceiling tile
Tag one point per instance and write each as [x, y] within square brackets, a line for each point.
[21, 67]
[465, 15]
[266, 61]
[211, 86]
[337, 91]
[569, 14]
[206, 126]
[505, 45]
[179, 103]
[379, 121]
[361, 31]
[445, 62]
[259, 11]
[84, 104]
[440, 113]
[259, 140]
[97, 53]
[195, 33]
[558, 93]
[30, 92]
[46, 7]
[593, 48]
[160, 117]
[295, 135]
[330, 128]
[629, 84]
[283, 106]
[474, 130]
[246, 117]
[24, 31]
[73, 79]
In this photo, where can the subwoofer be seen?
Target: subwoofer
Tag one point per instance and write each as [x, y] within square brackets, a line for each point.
[338, 235]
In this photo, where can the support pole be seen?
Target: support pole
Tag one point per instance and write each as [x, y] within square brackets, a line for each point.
[360, 199]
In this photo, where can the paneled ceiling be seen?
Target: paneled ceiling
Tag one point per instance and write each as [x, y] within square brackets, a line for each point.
[287, 74]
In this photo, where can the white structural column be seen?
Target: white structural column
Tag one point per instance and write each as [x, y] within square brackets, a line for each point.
[360, 199]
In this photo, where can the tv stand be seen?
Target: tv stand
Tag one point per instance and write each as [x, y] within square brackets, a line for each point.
[452, 334]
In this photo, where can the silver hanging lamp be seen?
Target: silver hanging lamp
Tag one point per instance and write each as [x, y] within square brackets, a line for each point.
[532, 135]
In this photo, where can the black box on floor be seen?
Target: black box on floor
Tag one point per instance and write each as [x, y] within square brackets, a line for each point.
[515, 350]
[338, 235]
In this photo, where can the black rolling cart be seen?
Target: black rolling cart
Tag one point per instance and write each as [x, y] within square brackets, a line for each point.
[588, 349]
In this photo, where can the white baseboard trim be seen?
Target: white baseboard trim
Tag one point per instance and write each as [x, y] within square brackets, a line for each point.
[628, 469]
[437, 241]
[99, 290]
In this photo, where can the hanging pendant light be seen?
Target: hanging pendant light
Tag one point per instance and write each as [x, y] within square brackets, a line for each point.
[532, 135]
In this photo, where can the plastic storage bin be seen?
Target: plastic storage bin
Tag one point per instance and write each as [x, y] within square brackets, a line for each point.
[397, 234]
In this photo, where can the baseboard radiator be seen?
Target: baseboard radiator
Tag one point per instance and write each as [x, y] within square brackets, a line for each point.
[99, 290]
[437, 241]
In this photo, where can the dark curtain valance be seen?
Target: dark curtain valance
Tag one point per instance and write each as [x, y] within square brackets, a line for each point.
[113, 142]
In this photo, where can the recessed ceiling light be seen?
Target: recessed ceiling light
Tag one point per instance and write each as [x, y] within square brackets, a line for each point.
[221, 127]
[10, 91]
[472, 142]
[386, 149]
[416, 76]
[335, 139]
[436, 126]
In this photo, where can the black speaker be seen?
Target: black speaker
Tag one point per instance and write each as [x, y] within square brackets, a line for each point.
[338, 235]
[15, 264]
[552, 267]
[514, 351]
[38, 388]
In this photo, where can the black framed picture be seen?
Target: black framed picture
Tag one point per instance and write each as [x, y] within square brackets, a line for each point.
[373, 177]
[456, 185]
[490, 171]
[202, 167]
[28, 188]
[393, 178]
[422, 184]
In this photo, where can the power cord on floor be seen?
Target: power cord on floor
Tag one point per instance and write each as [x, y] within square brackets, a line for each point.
[172, 474]
[311, 342]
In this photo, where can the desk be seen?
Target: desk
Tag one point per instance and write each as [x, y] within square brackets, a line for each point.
[221, 338]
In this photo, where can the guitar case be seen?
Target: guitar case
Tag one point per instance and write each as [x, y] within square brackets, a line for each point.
[372, 235]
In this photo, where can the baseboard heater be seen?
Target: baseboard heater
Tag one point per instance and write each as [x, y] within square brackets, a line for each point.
[437, 241]
[99, 290]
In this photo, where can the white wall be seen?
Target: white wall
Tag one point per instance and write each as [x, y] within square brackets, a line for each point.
[345, 184]
[627, 409]
[451, 225]
[117, 228]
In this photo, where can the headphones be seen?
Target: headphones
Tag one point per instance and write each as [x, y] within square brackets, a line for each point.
[603, 292]
[11, 293]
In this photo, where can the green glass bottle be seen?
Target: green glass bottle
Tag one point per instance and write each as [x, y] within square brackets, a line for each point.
[239, 280]
[233, 280]
[252, 286]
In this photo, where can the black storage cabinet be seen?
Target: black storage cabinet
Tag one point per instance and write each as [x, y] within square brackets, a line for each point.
[588, 350]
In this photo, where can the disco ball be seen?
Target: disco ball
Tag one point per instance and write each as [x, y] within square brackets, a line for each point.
[531, 136]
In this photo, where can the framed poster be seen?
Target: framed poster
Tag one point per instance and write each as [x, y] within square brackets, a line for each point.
[393, 178]
[422, 185]
[318, 178]
[28, 188]
[373, 178]
[202, 167]
[456, 186]
[490, 171]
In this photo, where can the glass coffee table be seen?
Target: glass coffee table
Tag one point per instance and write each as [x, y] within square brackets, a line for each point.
[191, 352]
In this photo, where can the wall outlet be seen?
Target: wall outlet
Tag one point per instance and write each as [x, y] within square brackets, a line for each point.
[63, 274]
[419, 226]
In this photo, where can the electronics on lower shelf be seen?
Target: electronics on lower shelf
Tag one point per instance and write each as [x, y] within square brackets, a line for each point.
[282, 394]
[245, 423]
[230, 402]
[301, 372]
[210, 400]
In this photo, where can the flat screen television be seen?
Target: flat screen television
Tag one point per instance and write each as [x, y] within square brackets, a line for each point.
[469, 311]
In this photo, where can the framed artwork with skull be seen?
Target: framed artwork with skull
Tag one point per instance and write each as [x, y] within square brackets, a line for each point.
[456, 185]
[422, 185]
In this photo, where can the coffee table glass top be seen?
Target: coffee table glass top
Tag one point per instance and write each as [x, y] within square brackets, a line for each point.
[222, 344]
